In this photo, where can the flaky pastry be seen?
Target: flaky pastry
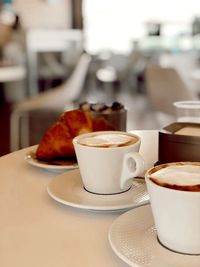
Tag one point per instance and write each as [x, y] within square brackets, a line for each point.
[57, 141]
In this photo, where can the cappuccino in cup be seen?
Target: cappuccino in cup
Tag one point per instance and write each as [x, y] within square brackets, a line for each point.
[108, 160]
[108, 140]
[180, 176]
[174, 191]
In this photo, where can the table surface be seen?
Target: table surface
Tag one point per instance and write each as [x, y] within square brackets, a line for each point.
[36, 230]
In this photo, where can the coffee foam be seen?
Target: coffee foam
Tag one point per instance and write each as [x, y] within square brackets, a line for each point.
[108, 140]
[180, 175]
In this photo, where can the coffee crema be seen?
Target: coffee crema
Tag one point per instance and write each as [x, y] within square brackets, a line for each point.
[183, 177]
[108, 140]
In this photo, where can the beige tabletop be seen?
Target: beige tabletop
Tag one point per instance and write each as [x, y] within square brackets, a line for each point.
[35, 230]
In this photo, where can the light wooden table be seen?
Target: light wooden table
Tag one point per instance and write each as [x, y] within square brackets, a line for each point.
[35, 230]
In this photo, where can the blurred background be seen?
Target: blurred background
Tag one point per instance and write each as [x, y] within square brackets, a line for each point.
[56, 54]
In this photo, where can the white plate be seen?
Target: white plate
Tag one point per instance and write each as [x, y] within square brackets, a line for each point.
[133, 238]
[53, 166]
[67, 188]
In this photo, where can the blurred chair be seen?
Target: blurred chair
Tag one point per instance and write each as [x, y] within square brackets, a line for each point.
[165, 86]
[13, 78]
[185, 63]
[12, 73]
[39, 41]
[48, 104]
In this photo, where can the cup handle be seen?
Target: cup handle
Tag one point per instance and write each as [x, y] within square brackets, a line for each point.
[133, 165]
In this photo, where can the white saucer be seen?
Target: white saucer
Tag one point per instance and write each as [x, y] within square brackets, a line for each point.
[67, 188]
[57, 166]
[133, 238]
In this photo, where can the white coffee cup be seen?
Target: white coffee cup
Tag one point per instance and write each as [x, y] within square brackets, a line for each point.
[176, 211]
[108, 166]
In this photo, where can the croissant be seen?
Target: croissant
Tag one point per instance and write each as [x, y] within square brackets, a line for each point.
[57, 141]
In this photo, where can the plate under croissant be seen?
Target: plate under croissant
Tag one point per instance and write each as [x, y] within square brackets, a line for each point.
[57, 166]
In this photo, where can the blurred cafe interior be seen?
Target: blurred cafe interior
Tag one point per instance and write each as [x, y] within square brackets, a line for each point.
[57, 54]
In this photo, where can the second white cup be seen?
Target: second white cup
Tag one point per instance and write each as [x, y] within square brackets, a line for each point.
[175, 203]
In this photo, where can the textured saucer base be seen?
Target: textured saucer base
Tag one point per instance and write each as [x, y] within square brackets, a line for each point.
[133, 238]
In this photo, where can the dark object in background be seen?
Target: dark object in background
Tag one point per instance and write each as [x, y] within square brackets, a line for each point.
[154, 29]
[115, 115]
[174, 147]
[196, 26]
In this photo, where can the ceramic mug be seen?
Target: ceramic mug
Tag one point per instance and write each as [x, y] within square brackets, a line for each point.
[108, 160]
[174, 190]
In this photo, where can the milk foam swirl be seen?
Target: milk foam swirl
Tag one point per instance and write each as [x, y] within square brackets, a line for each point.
[107, 140]
[182, 175]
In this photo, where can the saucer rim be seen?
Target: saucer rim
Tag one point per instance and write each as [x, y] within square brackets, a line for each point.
[33, 162]
[91, 207]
